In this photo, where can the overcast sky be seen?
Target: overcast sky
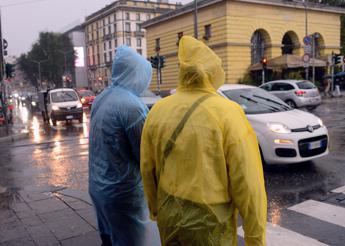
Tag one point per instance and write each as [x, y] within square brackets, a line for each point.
[22, 20]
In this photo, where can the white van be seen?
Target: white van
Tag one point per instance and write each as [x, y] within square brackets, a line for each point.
[64, 104]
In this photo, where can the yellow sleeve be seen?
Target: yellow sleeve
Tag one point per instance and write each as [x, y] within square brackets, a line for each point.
[247, 188]
[148, 171]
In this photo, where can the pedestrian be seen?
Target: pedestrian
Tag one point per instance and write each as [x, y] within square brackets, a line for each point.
[115, 186]
[327, 86]
[200, 160]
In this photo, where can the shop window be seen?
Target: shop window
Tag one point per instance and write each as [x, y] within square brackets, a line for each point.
[179, 36]
[207, 32]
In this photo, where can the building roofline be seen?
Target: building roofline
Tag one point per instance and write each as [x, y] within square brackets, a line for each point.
[204, 3]
[121, 4]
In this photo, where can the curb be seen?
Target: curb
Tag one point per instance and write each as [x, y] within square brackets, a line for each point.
[14, 137]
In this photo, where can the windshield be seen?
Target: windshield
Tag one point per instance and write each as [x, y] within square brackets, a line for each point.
[305, 85]
[86, 93]
[256, 101]
[64, 96]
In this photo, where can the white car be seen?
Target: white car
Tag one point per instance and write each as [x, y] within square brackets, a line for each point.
[285, 135]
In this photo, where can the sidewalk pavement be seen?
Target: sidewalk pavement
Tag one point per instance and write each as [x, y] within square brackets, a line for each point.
[64, 218]
[16, 131]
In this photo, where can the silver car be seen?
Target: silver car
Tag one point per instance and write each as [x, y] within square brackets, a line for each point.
[296, 93]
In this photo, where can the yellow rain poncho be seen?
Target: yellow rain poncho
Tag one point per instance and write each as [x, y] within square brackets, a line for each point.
[198, 172]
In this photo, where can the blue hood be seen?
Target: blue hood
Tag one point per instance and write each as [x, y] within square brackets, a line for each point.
[130, 70]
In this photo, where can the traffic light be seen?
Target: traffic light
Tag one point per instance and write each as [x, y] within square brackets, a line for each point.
[154, 61]
[162, 61]
[9, 70]
[337, 58]
[264, 62]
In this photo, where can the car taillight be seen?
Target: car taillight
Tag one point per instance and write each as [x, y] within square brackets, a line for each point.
[300, 93]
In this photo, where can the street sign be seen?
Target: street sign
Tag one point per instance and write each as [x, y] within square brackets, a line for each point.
[307, 49]
[307, 40]
[306, 58]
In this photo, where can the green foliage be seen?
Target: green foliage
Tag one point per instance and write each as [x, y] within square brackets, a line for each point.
[294, 75]
[247, 80]
[51, 49]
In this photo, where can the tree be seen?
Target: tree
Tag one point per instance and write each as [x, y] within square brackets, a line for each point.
[55, 53]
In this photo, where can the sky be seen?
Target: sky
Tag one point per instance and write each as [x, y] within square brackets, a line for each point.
[22, 20]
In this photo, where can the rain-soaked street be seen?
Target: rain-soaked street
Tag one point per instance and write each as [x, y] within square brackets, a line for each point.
[300, 198]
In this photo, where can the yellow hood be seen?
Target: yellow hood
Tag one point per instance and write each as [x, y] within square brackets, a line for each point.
[200, 67]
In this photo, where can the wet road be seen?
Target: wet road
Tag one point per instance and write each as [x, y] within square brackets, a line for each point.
[56, 157]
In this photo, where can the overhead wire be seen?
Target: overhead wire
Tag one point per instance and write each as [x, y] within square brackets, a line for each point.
[21, 3]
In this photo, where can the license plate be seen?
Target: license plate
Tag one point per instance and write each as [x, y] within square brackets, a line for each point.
[315, 145]
[69, 117]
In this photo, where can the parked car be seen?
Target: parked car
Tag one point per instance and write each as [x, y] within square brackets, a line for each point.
[61, 104]
[296, 93]
[86, 97]
[149, 98]
[285, 135]
[33, 102]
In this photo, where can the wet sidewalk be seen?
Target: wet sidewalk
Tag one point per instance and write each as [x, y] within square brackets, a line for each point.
[43, 219]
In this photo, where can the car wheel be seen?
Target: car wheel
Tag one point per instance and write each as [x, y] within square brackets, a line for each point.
[311, 108]
[291, 103]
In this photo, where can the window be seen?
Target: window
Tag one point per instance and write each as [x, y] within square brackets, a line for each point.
[98, 59]
[158, 43]
[127, 16]
[128, 41]
[137, 16]
[109, 45]
[115, 28]
[103, 31]
[207, 32]
[282, 87]
[105, 45]
[139, 42]
[103, 22]
[105, 57]
[109, 29]
[97, 34]
[127, 27]
[110, 55]
[179, 36]
[267, 87]
[115, 43]
[114, 17]
[109, 20]
[148, 17]
[138, 28]
[97, 48]
[140, 51]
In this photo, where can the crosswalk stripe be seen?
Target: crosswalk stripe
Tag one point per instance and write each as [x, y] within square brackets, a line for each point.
[279, 236]
[339, 190]
[322, 211]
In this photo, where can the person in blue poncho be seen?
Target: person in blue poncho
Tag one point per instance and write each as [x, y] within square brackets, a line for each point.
[117, 119]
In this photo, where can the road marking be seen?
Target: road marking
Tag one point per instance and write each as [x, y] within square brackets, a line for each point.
[322, 211]
[279, 236]
[339, 190]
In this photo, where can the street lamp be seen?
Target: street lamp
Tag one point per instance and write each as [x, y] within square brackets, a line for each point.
[39, 69]
[64, 55]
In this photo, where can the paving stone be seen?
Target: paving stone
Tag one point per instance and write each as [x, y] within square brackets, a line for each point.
[80, 195]
[72, 226]
[33, 196]
[57, 215]
[20, 207]
[31, 221]
[89, 215]
[89, 239]
[27, 241]
[47, 205]
[42, 236]
[66, 198]
[7, 216]
[26, 214]
[78, 205]
[16, 232]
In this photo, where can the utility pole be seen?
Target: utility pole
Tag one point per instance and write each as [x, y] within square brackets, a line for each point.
[196, 19]
[306, 34]
[313, 64]
[2, 65]
[39, 71]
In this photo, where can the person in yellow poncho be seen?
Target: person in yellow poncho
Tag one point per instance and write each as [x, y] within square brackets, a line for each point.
[200, 161]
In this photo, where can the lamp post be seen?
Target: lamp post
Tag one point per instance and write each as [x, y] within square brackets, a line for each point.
[306, 34]
[65, 59]
[39, 69]
[196, 19]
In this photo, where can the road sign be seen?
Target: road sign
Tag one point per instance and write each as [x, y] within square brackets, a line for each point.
[307, 40]
[306, 58]
[307, 49]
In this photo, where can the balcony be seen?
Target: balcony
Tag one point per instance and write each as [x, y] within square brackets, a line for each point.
[139, 33]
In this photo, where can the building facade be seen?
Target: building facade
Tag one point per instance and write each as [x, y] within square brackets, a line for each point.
[242, 32]
[116, 24]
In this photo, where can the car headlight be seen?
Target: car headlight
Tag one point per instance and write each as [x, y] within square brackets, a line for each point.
[320, 122]
[33, 103]
[79, 105]
[55, 108]
[83, 100]
[278, 128]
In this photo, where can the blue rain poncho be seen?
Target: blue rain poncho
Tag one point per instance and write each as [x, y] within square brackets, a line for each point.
[117, 118]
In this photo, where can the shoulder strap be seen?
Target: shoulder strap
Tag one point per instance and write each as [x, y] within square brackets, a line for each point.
[171, 142]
